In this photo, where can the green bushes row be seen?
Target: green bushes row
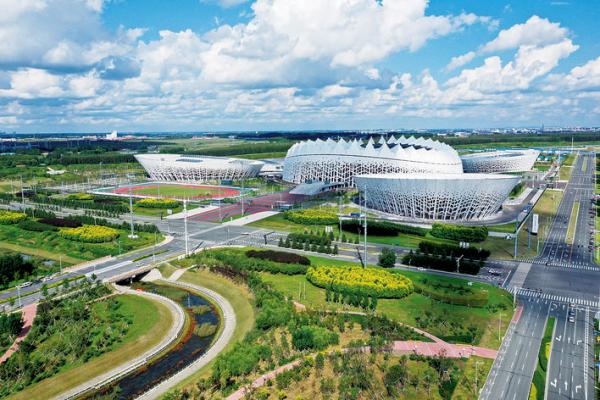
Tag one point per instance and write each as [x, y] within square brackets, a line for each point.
[459, 232]
[278, 256]
[237, 260]
[35, 226]
[442, 263]
[442, 249]
[382, 228]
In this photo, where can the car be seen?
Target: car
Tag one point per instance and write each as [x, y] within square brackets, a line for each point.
[571, 319]
[25, 284]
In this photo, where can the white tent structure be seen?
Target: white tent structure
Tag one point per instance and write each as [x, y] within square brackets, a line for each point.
[500, 161]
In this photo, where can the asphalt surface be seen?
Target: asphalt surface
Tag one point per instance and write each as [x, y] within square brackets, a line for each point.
[561, 282]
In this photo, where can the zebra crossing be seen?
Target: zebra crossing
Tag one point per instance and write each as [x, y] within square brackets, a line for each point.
[562, 264]
[531, 293]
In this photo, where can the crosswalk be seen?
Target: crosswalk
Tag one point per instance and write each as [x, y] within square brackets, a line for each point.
[552, 297]
[562, 264]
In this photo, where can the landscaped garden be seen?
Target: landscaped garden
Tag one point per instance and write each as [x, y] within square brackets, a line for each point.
[78, 337]
[282, 334]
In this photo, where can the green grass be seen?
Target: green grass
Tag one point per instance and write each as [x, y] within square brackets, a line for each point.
[51, 245]
[569, 160]
[546, 208]
[539, 376]
[408, 309]
[150, 321]
[572, 228]
[542, 167]
[504, 228]
[466, 389]
[178, 191]
[241, 300]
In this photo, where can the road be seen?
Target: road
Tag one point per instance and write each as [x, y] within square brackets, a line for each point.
[561, 279]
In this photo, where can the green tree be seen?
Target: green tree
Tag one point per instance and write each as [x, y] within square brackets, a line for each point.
[387, 258]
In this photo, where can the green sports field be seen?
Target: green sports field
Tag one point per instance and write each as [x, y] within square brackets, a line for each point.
[179, 191]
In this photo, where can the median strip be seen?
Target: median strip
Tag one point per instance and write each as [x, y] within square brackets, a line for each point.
[572, 223]
[538, 385]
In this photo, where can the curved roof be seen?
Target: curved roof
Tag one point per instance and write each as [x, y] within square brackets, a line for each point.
[437, 176]
[195, 161]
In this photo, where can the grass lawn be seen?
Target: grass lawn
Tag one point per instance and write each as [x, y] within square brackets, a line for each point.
[569, 160]
[409, 308]
[572, 228]
[179, 191]
[542, 167]
[546, 208]
[539, 376]
[240, 298]
[466, 388]
[504, 228]
[150, 321]
[51, 245]
[564, 173]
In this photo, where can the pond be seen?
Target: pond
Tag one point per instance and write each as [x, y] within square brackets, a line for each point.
[196, 341]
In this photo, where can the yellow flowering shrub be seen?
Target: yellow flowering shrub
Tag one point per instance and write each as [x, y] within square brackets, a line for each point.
[312, 216]
[90, 233]
[150, 202]
[11, 217]
[372, 281]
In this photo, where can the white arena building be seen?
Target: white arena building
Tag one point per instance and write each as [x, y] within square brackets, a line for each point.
[339, 161]
[500, 161]
[438, 196]
[193, 168]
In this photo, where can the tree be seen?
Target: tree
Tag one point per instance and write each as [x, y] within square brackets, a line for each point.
[335, 249]
[320, 362]
[387, 258]
[396, 377]
[280, 242]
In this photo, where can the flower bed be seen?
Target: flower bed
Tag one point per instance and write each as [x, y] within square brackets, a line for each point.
[157, 203]
[90, 233]
[370, 281]
[81, 196]
[312, 217]
[11, 217]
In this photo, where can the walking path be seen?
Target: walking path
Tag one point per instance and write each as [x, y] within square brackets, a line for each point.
[124, 369]
[217, 347]
[29, 313]
[251, 218]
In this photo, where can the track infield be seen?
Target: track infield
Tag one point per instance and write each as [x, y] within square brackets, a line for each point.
[175, 191]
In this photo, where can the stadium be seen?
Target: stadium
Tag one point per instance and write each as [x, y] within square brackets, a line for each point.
[449, 197]
[332, 161]
[196, 169]
[500, 161]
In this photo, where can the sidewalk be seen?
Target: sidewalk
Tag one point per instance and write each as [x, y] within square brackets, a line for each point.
[29, 313]
[251, 218]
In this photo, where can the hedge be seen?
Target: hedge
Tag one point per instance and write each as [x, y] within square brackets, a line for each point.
[237, 260]
[312, 217]
[459, 232]
[382, 228]
[90, 233]
[35, 226]
[365, 281]
[442, 249]
[81, 196]
[310, 238]
[157, 203]
[459, 295]
[11, 217]
[61, 222]
[278, 256]
[443, 263]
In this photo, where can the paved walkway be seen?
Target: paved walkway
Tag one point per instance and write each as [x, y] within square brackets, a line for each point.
[29, 313]
[229, 323]
[437, 349]
[251, 218]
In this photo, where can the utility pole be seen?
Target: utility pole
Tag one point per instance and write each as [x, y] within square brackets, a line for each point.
[132, 235]
[185, 228]
[366, 255]
[242, 194]
[458, 263]
[499, 323]
[516, 236]
[22, 194]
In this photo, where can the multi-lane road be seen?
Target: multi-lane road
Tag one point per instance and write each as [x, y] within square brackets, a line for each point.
[562, 283]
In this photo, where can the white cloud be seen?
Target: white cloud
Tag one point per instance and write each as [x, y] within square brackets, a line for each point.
[459, 61]
[583, 77]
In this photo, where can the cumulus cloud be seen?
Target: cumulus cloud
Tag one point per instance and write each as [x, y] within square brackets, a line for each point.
[583, 77]
[459, 61]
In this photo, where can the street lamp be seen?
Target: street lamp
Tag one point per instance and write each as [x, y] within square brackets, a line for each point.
[499, 323]
[476, 375]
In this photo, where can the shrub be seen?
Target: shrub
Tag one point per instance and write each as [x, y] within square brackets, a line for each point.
[157, 203]
[278, 256]
[309, 237]
[387, 258]
[8, 217]
[443, 263]
[239, 261]
[90, 233]
[313, 338]
[312, 216]
[382, 228]
[365, 281]
[35, 226]
[61, 222]
[459, 232]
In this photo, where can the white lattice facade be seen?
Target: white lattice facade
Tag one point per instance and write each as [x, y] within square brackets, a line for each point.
[340, 161]
[500, 161]
[196, 169]
[449, 197]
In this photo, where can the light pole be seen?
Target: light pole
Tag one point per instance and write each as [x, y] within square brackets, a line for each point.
[499, 323]
[19, 294]
[185, 227]
[476, 375]
[132, 235]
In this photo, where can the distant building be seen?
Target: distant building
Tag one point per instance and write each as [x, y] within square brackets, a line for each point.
[112, 136]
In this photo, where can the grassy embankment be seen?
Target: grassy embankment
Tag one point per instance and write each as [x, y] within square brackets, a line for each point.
[150, 320]
[546, 208]
[572, 228]
[566, 168]
[468, 387]
[538, 385]
[440, 316]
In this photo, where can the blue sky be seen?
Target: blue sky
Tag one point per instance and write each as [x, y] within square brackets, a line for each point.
[151, 65]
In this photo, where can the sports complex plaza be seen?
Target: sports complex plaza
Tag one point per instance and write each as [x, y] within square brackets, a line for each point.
[414, 178]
